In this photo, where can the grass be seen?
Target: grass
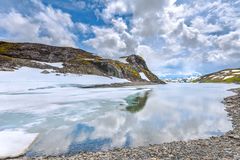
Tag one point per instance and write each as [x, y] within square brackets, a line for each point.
[235, 79]
[7, 47]
[126, 68]
[5, 58]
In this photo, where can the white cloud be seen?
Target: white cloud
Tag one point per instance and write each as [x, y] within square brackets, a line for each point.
[18, 26]
[205, 27]
[119, 24]
[48, 25]
[82, 27]
[229, 41]
[199, 32]
[141, 7]
[172, 36]
[57, 26]
[107, 41]
[189, 37]
[115, 7]
[227, 48]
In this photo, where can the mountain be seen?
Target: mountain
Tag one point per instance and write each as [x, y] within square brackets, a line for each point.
[178, 78]
[223, 76]
[65, 60]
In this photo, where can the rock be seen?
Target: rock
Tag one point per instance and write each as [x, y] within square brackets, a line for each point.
[45, 72]
[76, 61]
[140, 65]
[234, 136]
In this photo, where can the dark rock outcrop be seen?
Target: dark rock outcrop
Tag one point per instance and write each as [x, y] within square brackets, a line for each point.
[140, 65]
[76, 61]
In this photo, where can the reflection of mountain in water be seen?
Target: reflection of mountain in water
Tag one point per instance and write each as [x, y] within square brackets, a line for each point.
[77, 120]
[137, 102]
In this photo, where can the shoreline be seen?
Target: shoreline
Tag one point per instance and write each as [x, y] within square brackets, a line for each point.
[226, 146]
[117, 85]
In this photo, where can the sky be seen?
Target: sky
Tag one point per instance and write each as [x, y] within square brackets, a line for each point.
[175, 37]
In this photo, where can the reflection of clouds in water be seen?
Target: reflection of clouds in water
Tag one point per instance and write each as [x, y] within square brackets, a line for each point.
[167, 116]
[53, 142]
[95, 119]
[115, 125]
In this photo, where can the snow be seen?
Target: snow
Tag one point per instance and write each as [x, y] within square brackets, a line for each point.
[28, 99]
[26, 74]
[227, 77]
[123, 60]
[143, 76]
[225, 72]
[212, 76]
[218, 77]
[236, 70]
[58, 65]
[15, 142]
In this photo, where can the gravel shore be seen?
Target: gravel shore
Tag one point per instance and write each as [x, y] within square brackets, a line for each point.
[223, 147]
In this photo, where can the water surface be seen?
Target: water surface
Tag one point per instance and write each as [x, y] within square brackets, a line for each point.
[69, 119]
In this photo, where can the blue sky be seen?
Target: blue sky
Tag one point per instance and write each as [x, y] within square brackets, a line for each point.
[176, 37]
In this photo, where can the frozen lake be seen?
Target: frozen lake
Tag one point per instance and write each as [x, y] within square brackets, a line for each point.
[53, 119]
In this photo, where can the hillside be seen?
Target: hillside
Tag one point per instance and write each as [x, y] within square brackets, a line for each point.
[63, 60]
[224, 76]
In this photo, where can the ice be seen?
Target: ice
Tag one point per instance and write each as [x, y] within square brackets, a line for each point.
[67, 118]
[15, 142]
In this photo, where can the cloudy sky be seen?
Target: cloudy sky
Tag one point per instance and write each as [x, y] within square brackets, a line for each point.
[174, 36]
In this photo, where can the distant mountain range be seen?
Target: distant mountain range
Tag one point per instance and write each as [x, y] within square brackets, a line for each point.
[223, 76]
[180, 78]
[70, 60]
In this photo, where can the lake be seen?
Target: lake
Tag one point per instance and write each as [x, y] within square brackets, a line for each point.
[55, 119]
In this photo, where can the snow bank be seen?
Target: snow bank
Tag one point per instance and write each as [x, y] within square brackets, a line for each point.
[143, 76]
[123, 60]
[15, 143]
[37, 79]
[236, 70]
[227, 77]
[32, 75]
[58, 65]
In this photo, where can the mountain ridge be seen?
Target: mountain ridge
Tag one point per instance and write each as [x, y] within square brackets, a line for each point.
[76, 61]
[231, 75]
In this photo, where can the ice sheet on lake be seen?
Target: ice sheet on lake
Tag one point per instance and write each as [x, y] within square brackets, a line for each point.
[15, 142]
[69, 118]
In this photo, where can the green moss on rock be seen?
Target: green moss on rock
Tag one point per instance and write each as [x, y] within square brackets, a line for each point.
[5, 58]
[5, 47]
[233, 80]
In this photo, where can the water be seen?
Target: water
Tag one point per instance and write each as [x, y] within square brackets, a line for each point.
[68, 119]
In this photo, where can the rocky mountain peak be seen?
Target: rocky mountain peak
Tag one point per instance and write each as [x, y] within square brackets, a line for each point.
[137, 62]
[75, 61]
